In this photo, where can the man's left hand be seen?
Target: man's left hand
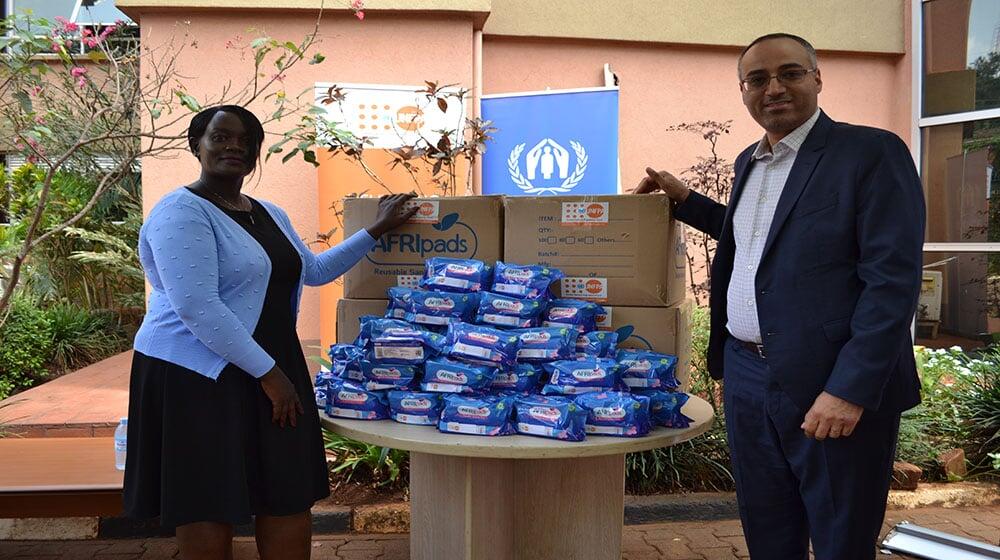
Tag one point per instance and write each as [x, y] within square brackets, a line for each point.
[832, 417]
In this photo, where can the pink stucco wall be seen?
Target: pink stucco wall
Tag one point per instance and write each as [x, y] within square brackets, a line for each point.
[662, 85]
[383, 50]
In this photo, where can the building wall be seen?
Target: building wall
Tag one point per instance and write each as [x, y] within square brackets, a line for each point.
[842, 25]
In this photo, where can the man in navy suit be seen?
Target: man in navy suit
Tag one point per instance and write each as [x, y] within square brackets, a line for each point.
[814, 287]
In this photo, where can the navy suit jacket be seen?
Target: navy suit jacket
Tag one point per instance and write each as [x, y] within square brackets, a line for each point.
[839, 278]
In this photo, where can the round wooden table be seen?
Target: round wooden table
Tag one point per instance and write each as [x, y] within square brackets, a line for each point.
[516, 497]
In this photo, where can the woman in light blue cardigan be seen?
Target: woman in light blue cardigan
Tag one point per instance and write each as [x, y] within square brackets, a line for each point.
[217, 428]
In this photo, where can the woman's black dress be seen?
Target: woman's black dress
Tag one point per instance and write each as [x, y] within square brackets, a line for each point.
[204, 450]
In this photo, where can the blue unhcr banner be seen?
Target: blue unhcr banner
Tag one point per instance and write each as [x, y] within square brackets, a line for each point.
[552, 143]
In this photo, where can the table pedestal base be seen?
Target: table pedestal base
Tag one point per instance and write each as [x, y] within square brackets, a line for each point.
[516, 509]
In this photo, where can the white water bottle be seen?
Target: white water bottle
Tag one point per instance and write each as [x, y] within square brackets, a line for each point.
[121, 443]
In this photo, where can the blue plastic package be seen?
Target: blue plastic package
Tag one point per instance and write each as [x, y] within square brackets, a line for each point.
[525, 281]
[379, 376]
[487, 415]
[509, 311]
[455, 275]
[551, 417]
[665, 408]
[347, 400]
[597, 344]
[399, 302]
[363, 340]
[545, 344]
[346, 361]
[398, 342]
[576, 313]
[443, 375]
[415, 407]
[321, 386]
[480, 344]
[615, 413]
[519, 379]
[645, 369]
[441, 308]
[571, 377]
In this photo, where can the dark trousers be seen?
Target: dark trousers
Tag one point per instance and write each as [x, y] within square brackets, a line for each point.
[791, 488]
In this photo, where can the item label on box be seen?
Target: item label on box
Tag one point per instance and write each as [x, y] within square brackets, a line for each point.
[604, 319]
[584, 288]
[584, 214]
[408, 281]
[428, 211]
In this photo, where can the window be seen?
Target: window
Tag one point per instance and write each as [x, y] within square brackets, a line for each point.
[92, 15]
[957, 108]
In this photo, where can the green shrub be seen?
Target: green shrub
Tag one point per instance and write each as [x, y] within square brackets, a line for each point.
[25, 346]
[81, 337]
[362, 462]
[982, 401]
[960, 408]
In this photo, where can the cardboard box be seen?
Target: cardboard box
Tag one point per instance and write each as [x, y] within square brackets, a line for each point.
[465, 227]
[348, 313]
[661, 329]
[616, 249]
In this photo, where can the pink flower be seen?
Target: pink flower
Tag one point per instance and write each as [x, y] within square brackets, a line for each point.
[66, 26]
[90, 42]
[81, 82]
[78, 71]
[108, 31]
[39, 119]
[360, 15]
[86, 32]
[37, 90]
[358, 4]
[56, 47]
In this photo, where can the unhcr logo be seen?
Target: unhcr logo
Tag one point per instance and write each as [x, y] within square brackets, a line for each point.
[547, 162]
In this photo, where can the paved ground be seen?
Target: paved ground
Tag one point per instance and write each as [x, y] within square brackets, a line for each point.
[716, 540]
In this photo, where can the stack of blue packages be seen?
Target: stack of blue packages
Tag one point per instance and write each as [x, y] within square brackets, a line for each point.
[644, 369]
[415, 407]
[587, 375]
[486, 415]
[347, 400]
[455, 275]
[616, 413]
[551, 417]
[579, 314]
[488, 351]
[665, 408]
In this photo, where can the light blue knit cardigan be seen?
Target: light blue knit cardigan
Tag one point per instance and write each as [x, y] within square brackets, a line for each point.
[209, 278]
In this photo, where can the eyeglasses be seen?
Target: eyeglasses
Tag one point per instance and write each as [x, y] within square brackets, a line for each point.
[790, 76]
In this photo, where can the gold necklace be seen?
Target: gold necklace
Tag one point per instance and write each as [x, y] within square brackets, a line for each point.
[230, 206]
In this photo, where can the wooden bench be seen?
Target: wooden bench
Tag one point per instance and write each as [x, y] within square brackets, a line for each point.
[59, 477]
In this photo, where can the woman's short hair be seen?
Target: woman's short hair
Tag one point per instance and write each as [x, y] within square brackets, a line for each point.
[199, 123]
